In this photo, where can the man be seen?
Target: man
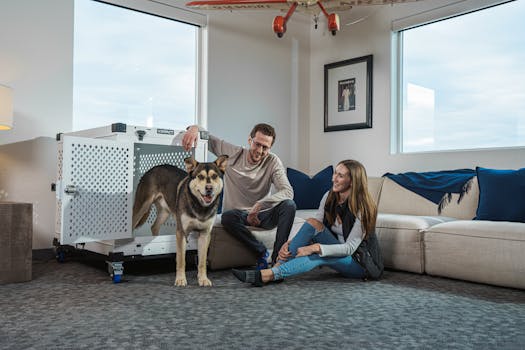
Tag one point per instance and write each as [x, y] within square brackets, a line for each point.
[249, 175]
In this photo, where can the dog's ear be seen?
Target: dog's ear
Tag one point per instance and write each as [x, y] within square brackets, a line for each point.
[190, 164]
[221, 162]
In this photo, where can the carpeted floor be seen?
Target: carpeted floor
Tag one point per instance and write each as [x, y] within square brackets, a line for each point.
[76, 306]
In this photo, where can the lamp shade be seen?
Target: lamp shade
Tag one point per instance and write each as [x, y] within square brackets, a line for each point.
[6, 108]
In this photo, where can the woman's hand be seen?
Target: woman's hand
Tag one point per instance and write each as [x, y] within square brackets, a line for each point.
[284, 253]
[309, 250]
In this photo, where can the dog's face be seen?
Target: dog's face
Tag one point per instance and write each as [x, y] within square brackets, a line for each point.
[206, 179]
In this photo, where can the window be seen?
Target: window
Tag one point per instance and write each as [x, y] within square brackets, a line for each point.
[132, 67]
[462, 82]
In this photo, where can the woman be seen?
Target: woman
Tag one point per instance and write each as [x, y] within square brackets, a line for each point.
[343, 225]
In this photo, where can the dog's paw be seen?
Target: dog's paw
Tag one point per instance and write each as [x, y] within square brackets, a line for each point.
[181, 282]
[205, 282]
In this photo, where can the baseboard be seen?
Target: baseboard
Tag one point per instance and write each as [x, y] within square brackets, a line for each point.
[43, 254]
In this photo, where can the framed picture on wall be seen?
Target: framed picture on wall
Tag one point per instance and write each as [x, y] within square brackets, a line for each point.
[348, 94]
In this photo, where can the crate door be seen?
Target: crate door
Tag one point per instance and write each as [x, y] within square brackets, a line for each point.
[95, 192]
[146, 157]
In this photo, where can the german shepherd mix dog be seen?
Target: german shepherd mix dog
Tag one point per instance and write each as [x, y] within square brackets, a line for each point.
[192, 197]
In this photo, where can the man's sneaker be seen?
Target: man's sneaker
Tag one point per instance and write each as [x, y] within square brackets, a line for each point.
[262, 262]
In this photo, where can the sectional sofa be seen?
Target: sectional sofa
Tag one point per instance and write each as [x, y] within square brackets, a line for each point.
[414, 237]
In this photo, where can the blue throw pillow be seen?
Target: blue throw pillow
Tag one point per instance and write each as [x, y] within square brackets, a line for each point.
[501, 195]
[308, 192]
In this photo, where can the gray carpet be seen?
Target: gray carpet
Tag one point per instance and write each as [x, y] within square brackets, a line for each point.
[76, 306]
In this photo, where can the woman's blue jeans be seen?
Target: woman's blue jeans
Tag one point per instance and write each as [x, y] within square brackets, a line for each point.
[297, 265]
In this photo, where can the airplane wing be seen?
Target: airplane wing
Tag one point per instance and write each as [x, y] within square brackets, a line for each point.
[303, 5]
[342, 5]
[239, 4]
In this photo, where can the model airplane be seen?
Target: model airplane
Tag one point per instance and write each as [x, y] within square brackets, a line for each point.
[312, 7]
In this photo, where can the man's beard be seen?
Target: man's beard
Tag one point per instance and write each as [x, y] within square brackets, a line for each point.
[253, 156]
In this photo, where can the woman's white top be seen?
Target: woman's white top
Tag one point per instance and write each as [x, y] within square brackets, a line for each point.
[352, 241]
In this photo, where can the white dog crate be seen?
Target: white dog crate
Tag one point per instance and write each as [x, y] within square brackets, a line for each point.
[98, 171]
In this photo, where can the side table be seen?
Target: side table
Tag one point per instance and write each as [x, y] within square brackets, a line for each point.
[16, 236]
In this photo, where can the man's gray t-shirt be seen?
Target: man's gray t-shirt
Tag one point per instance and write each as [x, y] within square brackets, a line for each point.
[246, 184]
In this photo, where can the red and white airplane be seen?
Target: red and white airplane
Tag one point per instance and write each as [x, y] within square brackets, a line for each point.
[312, 7]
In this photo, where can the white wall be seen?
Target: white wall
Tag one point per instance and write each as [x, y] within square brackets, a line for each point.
[255, 77]
[27, 169]
[36, 60]
[372, 146]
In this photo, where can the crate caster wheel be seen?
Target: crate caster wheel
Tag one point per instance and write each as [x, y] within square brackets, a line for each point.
[115, 270]
[117, 278]
[60, 255]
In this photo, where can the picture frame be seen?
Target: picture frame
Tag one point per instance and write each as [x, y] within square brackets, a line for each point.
[348, 94]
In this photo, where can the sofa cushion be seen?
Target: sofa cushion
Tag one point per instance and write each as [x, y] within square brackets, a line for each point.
[480, 251]
[401, 239]
[306, 213]
[309, 191]
[501, 195]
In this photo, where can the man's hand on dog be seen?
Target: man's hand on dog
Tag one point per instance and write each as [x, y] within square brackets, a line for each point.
[253, 219]
[189, 139]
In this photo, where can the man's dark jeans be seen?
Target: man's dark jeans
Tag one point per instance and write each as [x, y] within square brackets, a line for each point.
[282, 216]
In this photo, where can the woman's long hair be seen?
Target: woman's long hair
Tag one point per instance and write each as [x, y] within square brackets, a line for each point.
[360, 202]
